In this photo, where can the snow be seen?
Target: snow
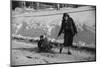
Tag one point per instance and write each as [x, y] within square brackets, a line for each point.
[27, 54]
[47, 21]
[25, 24]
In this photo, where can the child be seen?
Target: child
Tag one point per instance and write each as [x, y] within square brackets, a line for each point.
[44, 44]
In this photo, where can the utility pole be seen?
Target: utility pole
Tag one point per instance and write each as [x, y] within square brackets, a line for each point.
[37, 5]
[22, 4]
[58, 6]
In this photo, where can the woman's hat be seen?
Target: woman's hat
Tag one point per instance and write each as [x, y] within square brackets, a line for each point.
[66, 14]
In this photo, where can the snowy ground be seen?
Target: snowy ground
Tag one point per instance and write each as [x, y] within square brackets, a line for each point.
[27, 54]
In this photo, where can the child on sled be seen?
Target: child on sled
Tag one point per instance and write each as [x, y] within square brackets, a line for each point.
[44, 44]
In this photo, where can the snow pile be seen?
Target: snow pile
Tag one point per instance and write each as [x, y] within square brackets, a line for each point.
[34, 24]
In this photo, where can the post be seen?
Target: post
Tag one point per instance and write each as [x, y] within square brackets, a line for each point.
[58, 6]
[37, 5]
[32, 5]
[22, 4]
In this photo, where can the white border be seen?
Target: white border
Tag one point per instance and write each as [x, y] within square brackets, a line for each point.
[5, 33]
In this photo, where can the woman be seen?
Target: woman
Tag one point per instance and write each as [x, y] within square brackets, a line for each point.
[69, 29]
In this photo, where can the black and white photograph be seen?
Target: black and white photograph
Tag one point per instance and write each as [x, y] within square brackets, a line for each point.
[44, 33]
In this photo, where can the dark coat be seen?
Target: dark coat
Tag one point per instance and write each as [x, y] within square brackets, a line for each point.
[68, 26]
[44, 44]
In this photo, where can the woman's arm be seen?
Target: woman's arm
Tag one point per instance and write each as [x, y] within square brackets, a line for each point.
[61, 29]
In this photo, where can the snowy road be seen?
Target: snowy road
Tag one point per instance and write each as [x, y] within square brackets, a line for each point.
[27, 54]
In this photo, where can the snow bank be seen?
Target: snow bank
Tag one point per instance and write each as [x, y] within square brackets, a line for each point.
[34, 24]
